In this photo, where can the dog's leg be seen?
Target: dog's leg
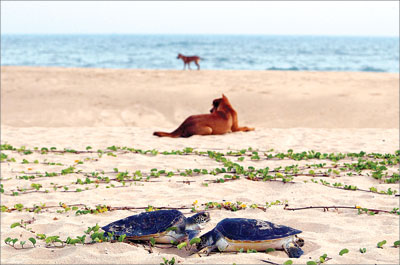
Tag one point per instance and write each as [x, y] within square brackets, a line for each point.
[197, 130]
[198, 66]
[189, 66]
[243, 129]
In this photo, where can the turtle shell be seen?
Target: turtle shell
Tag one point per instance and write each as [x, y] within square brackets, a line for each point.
[145, 223]
[253, 229]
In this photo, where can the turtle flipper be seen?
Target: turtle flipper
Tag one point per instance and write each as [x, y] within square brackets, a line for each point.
[293, 250]
[207, 250]
[192, 233]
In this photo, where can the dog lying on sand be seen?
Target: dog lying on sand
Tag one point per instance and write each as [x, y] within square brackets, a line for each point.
[222, 119]
[188, 59]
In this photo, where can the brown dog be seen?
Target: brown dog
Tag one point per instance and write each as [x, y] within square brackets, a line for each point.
[188, 59]
[223, 119]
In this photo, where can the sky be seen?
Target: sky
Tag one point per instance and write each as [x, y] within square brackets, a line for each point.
[337, 18]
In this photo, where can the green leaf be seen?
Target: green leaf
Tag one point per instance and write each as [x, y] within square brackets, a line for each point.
[15, 225]
[121, 238]
[181, 245]
[396, 243]
[311, 263]
[41, 236]
[363, 250]
[288, 262]
[95, 228]
[73, 241]
[323, 258]
[98, 235]
[82, 239]
[268, 250]
[32, 240]
[380, 244]
[343, 251]
[152, 241]
[195, 240]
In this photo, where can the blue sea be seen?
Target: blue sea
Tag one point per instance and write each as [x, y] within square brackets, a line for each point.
[244, 52]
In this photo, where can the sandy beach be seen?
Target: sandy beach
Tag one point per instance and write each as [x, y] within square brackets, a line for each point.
[81, 111]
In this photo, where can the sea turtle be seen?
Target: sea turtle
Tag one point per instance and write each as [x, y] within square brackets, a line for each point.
[163, 225]
[233, 234]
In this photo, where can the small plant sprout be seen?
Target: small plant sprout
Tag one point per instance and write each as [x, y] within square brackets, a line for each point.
[363, 250]
[121, 238]
[194, 240]
[168, 262]
[380, 244]
[268, 250]
[181, 245]
[15, 225]
[22, 243]
[323, 258]
[11, 242]
[343, 251]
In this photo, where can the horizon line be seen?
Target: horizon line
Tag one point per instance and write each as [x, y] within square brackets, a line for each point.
[199, 34]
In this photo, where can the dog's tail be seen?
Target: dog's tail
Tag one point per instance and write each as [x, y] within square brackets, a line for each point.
[165, 134]
[177, 133]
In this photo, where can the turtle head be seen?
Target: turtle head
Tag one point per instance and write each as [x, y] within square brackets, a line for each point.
[196, 221]
[294, 252]
[206, 240]
[292, 248]
[299, 241]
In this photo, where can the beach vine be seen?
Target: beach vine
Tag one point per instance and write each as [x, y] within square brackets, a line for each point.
[317, 168]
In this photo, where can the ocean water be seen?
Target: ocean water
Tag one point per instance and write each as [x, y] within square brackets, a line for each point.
[297, 53]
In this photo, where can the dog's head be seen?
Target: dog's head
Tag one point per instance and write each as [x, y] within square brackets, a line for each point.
[179, 56]
[219, 102]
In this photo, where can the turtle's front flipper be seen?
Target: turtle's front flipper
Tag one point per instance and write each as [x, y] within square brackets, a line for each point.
[207, 250]
[293, 250]
[192, 233]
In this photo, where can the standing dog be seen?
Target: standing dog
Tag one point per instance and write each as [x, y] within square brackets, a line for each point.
[223, 119]
[188, 59]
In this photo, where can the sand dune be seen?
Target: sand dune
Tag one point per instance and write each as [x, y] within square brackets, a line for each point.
[303, 111]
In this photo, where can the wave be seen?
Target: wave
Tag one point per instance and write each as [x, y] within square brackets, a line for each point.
[293, 68]
[220, 52]
[371, 69]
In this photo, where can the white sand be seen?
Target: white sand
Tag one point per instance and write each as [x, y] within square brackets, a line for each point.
[75, 108]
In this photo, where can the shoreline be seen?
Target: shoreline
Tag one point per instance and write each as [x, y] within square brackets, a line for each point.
[194, 70]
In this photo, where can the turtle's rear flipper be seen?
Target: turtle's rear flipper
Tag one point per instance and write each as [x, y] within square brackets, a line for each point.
[192, 233]
[293, 251]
